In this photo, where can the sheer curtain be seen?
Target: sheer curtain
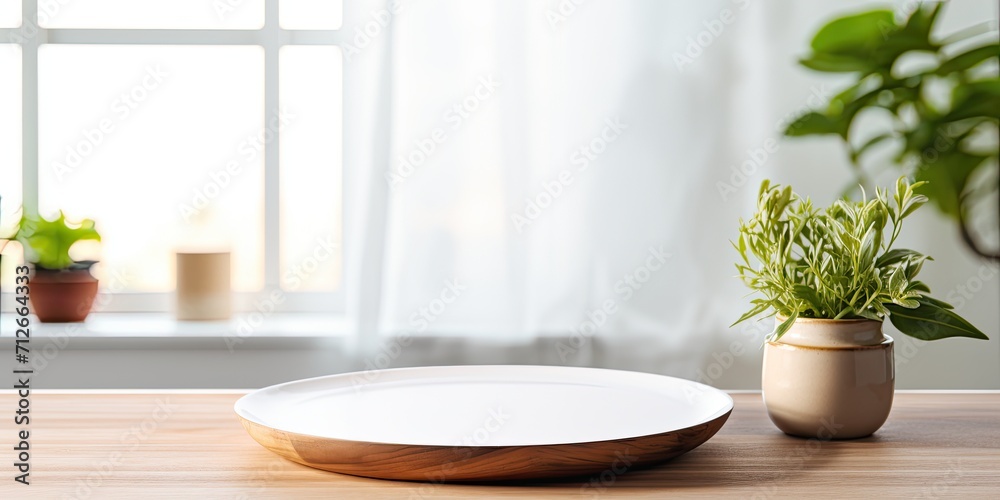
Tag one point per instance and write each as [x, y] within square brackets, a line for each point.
[547, 182]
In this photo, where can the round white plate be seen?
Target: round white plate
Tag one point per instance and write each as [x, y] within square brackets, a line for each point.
[409, 423]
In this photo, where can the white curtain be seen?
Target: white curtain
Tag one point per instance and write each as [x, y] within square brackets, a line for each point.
[553, 181]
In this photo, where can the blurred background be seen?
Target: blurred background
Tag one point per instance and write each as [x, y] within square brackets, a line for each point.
[441, 182]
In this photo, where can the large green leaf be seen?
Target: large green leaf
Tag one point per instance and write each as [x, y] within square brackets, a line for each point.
[870, 42]
[931, 322]
[857, 34]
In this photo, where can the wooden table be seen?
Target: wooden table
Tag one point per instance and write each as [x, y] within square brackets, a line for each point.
[182, 444]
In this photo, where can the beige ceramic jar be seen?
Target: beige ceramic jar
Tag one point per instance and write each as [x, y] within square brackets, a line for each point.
[829, 379]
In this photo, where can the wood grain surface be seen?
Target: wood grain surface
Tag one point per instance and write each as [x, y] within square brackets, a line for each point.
[180, 445]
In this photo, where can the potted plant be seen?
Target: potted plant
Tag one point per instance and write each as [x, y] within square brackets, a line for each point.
[832, 276]
[61, 289]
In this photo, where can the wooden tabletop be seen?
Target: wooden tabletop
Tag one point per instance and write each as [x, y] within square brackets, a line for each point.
[177, 444]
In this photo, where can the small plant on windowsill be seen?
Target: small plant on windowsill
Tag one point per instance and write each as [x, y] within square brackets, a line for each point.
[832, 276]
[61, 289]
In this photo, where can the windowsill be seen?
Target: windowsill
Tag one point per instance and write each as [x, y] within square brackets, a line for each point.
[135, 330]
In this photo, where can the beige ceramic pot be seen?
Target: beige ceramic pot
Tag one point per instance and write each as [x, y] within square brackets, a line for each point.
[829, 379]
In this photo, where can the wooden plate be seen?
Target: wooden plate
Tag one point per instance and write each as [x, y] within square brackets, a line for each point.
[483, 423]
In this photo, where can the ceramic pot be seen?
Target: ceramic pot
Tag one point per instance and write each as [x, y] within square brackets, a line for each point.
[829, 379]
[203, 284]
[62, 296]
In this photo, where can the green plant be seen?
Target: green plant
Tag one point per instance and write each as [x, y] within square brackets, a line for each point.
[838, 263]
[944, 115]
[46, 242]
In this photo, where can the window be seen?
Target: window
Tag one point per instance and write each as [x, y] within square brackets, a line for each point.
[181, 124]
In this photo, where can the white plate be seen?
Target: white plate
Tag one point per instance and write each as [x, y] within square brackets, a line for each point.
[334, 422]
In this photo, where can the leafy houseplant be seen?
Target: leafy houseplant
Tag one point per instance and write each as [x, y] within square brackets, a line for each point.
[839, 263]
[944, 114]
[61, 289]
[832, 276]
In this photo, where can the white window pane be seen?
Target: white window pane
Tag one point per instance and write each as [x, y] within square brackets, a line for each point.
[10, 13]
[10, 148]
[311, 143]
[159, 14]
[310, 14]
[158, 144]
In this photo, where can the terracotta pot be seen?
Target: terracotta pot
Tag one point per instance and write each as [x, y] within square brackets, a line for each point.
[62, 296]
[829, 379]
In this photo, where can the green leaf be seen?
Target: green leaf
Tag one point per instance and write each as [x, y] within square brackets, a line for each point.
[832, 63]
[759, 308]
[856, 34]
[925, 299]
[813, 123]
[897, 282]
[931, 322]
[913, 204]
[968, 59]
[912, 268]
[782, 328]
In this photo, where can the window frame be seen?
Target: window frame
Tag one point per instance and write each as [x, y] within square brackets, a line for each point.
[271, 37]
